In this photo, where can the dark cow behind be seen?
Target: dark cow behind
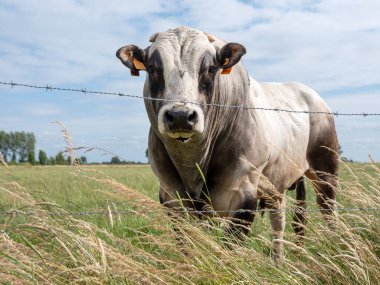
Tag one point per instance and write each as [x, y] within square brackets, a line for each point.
[245, 153]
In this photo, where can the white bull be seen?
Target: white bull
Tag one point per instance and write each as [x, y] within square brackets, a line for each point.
[191, 73]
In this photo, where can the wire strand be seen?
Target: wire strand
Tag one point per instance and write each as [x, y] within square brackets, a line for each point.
[85, 91]
[99, 212]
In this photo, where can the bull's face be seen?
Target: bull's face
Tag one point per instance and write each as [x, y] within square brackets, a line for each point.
[182, 66]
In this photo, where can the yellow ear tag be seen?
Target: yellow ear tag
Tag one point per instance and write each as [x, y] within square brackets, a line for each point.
[138, 64]
[227, 70]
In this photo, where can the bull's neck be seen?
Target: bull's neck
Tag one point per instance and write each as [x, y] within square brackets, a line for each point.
[185, 158]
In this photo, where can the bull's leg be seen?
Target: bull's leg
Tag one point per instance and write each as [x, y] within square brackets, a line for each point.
[324, 177]
[242, 211]
[242, 219]
[178, 206]
[277, 219]
[298, 223]
[325, 185]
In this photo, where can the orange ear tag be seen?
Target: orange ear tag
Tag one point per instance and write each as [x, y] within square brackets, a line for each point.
[138, 64]
[227, 70]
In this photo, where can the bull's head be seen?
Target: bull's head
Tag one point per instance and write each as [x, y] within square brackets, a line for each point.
[182, 65]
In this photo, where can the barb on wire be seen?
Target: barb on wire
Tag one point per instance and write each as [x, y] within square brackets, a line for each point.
[86, 92]
[101, 212]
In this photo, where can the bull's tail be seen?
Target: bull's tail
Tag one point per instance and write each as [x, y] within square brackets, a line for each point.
[299, 218]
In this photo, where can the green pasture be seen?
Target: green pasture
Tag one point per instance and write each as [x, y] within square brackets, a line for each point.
[103, 225]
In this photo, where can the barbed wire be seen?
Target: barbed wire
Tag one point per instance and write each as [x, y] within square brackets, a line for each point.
[100, 212]
[85, 91]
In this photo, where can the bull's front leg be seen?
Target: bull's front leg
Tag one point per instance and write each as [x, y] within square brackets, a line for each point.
[275, 203]
[242, 209]
[233, 197]
[277, 219]
[177, 205]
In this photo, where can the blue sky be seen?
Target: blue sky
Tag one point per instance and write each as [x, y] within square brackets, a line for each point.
[332, 46]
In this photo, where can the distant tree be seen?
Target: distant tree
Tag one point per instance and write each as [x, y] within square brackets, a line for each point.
[343, 158]
[83, 160]
[4, 145]
[31, 157]
[21, 143]
[13, 158]
[69, 160]
[51, 160]
[13, 146]
[59, 159]
[115, 160]
[42, 157]
[30, 144]
[340, 151]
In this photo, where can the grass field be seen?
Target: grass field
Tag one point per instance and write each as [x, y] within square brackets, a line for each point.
[104, 225]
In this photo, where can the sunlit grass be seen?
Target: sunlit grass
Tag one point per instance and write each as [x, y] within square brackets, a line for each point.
[128, 239]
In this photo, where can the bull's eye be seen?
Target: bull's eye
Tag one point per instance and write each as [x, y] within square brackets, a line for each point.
[151, 69]
[211, 70]
[207, 73]
[154, 69]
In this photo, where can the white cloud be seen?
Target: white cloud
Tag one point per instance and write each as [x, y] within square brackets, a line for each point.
[67, 42]
[220, 15]
[358, 135]
[355, 103]
[42, 109]
[329, 45]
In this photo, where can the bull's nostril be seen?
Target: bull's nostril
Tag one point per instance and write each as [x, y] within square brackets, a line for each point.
[192, 117]
[180, 119]
[168, 118]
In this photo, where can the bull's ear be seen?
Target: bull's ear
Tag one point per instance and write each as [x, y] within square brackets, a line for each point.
[229, 55]
[132, 57]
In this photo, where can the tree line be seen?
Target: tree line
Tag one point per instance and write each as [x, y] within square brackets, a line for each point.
[58, 159]
[19, 147]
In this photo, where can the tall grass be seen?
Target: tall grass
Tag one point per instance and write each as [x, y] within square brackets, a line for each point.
[139, 246]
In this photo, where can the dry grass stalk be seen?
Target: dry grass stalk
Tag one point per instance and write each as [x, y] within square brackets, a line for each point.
[2, 160]
[70, 148]
[46, 249]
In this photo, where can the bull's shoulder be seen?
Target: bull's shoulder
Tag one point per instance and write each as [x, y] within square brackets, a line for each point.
[291, 95]
[313, 100]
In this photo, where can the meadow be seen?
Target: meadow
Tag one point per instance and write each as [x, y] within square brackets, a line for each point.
[104, 225]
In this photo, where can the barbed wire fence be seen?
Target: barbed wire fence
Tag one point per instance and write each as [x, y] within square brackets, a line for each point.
[85, 91]
[100, 212]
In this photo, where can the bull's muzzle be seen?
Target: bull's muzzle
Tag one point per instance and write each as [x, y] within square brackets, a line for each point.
[180, 121]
